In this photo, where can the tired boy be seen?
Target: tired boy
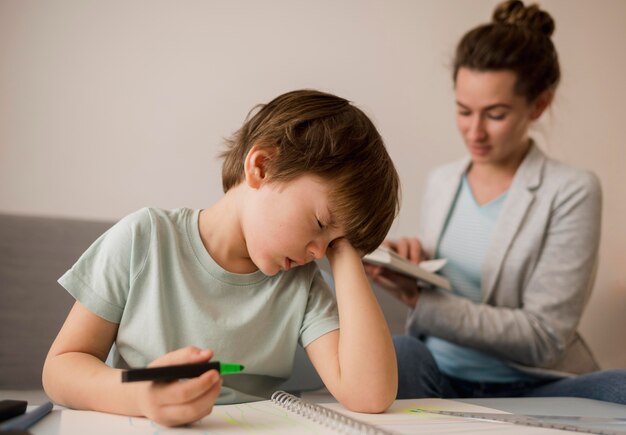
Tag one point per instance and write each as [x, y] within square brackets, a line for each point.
[306, 176]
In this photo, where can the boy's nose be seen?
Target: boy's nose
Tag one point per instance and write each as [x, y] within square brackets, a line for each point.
[317, 248]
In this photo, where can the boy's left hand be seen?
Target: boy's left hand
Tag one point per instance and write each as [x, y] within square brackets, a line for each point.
[340, 248]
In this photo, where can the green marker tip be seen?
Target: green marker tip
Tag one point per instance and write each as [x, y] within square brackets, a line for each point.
[226, 368]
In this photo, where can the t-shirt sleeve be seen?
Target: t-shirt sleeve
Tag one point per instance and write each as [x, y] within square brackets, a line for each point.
[101, 278]
[321, 314]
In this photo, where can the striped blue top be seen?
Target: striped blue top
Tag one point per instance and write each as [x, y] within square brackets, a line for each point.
[464, 242]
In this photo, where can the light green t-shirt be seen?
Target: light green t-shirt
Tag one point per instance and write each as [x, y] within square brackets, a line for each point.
[151, 274]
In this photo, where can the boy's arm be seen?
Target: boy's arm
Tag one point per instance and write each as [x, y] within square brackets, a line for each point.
[357, 362]
[76, 376]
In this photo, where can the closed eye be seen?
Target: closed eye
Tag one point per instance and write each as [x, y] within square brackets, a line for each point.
[320, 224]
[497, 116]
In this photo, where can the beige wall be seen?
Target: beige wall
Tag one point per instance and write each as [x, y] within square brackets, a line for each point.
[108, 106]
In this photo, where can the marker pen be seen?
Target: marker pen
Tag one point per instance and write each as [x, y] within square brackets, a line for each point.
[181, 371]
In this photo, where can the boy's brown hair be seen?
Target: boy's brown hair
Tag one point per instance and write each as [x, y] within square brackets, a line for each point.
[324, 135]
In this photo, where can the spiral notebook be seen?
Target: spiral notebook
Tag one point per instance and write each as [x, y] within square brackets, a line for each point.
[282, 414]
[332, 420]
[287, 414]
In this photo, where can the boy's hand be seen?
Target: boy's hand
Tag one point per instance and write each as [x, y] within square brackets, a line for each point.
[340, 248]
[174, 403]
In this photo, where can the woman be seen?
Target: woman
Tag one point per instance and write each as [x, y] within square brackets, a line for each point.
[520, 232]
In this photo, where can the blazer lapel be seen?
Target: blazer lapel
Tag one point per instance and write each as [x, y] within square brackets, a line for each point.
[519, 198]
[440, 206]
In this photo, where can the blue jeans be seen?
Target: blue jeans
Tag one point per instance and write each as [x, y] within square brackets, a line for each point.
[419, 376]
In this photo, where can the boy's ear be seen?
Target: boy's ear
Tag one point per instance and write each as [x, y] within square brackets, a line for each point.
[541, 104]
[255, 165]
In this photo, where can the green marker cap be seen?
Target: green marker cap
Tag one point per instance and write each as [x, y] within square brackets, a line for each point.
[226, 368]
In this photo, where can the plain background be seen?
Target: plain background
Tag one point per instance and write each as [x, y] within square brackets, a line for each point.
[110, 106]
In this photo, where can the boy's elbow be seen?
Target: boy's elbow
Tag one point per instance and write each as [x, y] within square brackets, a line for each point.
[46, 380]
[50, 381]
[370, 402]
[372, 397]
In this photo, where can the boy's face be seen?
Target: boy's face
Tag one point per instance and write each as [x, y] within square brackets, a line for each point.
[288, 224]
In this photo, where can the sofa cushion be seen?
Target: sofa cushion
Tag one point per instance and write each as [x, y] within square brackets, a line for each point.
[34, 253]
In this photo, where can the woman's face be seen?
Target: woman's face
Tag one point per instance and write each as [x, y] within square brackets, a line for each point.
[492, 119]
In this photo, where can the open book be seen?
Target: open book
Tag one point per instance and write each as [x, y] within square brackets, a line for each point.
[425, 271]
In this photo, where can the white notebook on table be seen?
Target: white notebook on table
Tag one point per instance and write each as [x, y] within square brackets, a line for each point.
[287, 414]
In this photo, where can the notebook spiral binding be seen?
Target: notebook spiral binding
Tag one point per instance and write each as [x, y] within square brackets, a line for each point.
[324, 416]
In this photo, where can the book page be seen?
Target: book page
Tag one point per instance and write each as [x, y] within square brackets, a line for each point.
[433, 265]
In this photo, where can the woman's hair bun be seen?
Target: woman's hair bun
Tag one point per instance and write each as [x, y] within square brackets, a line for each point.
[514, 12]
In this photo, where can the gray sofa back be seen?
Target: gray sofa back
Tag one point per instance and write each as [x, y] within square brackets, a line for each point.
[34, 253]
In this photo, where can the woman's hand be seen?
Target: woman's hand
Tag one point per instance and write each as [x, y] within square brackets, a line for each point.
[400, 286]
[409, 248]
[174, 403]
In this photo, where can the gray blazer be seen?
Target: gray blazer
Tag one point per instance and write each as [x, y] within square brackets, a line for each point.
[538, 272]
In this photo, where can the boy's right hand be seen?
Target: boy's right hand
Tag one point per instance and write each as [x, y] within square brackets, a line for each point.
[175, 403]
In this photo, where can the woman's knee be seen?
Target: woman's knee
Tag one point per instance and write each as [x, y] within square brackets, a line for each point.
[605, 385]
[409, 348]
[418, 374]
[612, 385]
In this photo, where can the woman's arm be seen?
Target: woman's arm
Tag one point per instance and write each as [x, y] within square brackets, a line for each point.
[536, 329]
[357, 362]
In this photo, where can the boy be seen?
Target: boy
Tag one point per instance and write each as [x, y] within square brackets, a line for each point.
[306, 176]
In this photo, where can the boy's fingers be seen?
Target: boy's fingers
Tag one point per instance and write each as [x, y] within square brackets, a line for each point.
[181, 392]
[204, 404]
[185, 355]
[199, 407]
